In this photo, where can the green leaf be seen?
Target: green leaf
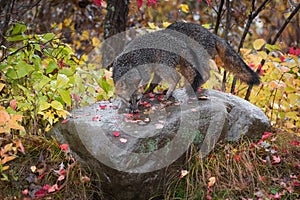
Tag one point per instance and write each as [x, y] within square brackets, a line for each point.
[44, 105]
[51, 66]
[21, 70]
[67, 71]
[57, 105]
[3, 66]
[15, 38]
[272, 47]
[49, 36]
[65, 95]
[61, 81]
[104, 85]
[42, 83]
[18, 29]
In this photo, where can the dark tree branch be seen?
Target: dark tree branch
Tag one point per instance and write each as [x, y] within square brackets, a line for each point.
[228, 22]
[287, 21]
[219, 17]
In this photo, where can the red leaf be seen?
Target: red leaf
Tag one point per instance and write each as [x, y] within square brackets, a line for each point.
[237, 157]
[53, 188]
[276, 160]
[64, 147]
[25, 192]
[13, 104]
[98, 2]
[207, 1]
[294, 51]
[61, 63]
[150, 2]
[96, 118]
[75, 97]
[64, 121]
[295, 143]
[116, 133]
[42, 176]
[40, 193]
[266, 135]
[140, 3]
[62, 172]
[208, 197]
[46, 187]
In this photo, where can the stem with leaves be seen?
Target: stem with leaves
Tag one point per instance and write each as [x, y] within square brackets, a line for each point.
[252, 15]
[287, 21]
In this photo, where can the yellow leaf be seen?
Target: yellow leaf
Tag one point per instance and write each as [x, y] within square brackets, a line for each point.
[44, 105]
[67, 22]
[165, 24]
[294, 98]
[85, 35]
[184, 8]
[211, 181]
[7, 159]
[96, 42]
[262, 54]
[274, 84]
[153, 26]
[1, 86]
[257, 44]
[7, 147]
[5, 168]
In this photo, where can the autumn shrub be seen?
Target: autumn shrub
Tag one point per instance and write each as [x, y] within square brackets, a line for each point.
[42, 79]
[278, 94]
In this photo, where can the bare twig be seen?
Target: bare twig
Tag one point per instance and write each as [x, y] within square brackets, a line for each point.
[219, 17]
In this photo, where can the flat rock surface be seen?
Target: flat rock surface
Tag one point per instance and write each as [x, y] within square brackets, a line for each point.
[133, 153]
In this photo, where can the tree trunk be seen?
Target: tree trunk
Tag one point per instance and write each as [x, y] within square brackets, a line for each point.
[115, 23]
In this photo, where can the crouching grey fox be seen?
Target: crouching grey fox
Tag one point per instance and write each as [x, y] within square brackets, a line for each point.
[156, 56]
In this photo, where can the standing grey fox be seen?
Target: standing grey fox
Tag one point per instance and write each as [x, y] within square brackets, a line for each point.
[156, 56]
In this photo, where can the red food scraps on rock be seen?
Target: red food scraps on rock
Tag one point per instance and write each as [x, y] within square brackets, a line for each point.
[103, 106]
[116, 133]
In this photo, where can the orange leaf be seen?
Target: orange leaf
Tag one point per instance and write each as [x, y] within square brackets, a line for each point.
[4, 117]
[20, 145]
[5, 168]
[7, 159]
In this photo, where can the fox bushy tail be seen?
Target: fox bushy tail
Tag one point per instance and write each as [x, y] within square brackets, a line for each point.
[216, 45]
[235, 64]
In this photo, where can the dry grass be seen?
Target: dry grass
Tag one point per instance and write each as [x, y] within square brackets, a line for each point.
[244, 170]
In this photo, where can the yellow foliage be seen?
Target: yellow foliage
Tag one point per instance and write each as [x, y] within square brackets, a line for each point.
[184, 8]
[257, 44]
[85, 35]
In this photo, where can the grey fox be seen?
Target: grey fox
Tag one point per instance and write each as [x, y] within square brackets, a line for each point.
[156, 56]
